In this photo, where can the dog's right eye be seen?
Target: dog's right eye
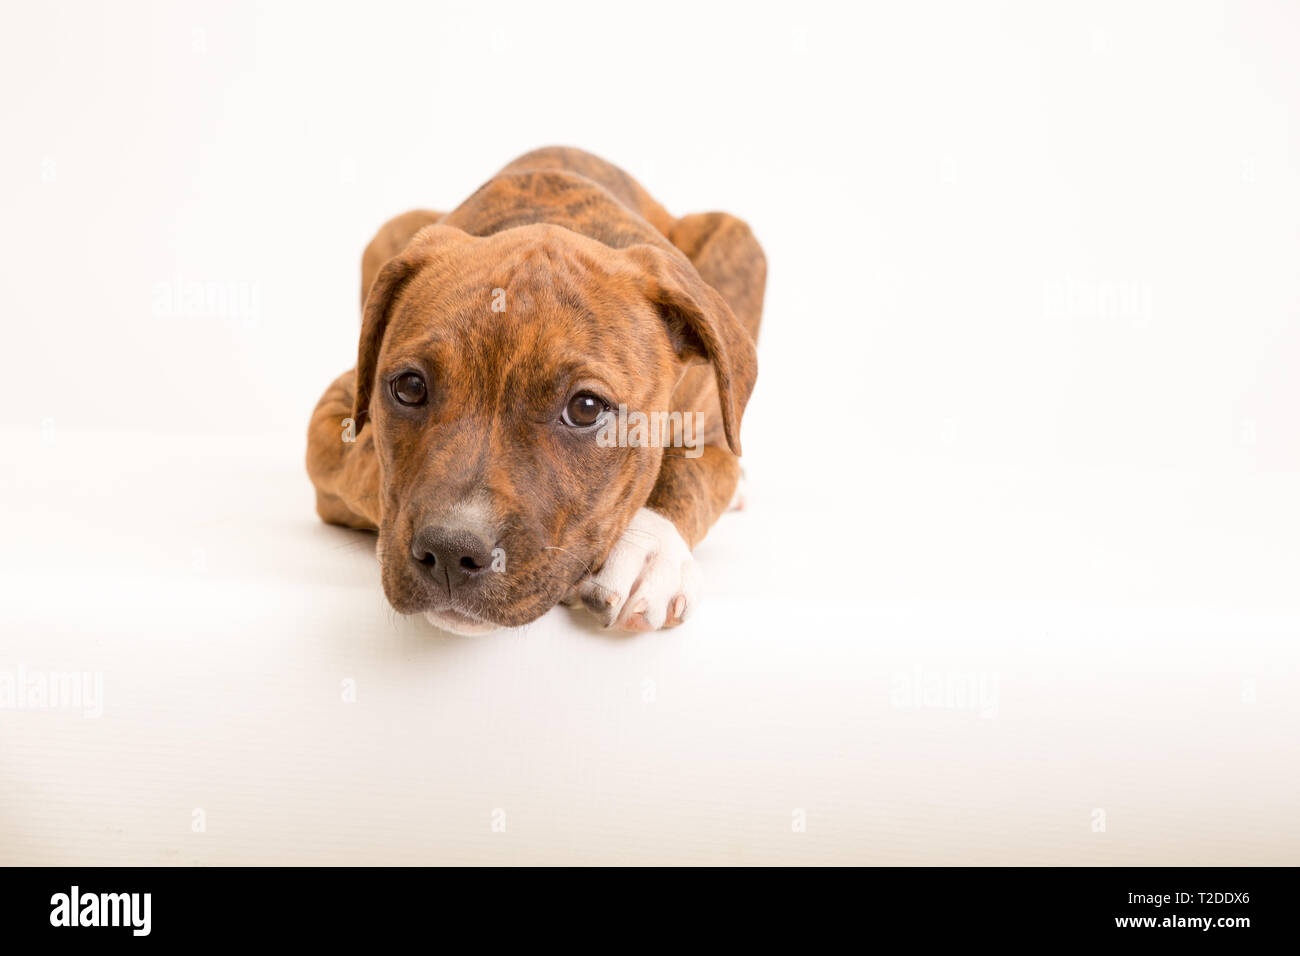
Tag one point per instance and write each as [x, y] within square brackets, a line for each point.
[409, 388]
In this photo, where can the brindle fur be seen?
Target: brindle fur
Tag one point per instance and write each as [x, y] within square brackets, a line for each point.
[602, 286]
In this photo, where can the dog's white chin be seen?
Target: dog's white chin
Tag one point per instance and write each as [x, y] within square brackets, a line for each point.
[460, 624]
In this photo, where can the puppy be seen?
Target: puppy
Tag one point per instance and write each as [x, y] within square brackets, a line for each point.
[547, 399]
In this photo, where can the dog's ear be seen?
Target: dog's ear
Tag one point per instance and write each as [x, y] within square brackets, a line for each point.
[701, 326]
[387, 286]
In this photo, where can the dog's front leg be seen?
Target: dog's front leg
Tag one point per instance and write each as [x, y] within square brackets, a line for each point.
[693, 493]
[650, 579]
[341, 460]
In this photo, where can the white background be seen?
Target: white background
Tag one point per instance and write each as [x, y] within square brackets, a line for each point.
[1025, 417]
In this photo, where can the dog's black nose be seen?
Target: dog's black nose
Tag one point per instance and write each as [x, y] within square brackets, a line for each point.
[454, 550]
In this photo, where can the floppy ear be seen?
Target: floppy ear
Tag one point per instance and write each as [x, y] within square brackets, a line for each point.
[702, 326]
[388, 285]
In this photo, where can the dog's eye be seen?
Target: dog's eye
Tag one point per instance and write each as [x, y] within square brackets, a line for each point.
[584, 410]
[409, 388]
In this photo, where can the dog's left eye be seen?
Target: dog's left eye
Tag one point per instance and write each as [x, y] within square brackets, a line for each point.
[584, 410]
[409, 388]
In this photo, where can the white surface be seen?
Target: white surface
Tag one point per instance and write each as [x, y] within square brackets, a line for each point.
[1027, 412]
[1130, 649]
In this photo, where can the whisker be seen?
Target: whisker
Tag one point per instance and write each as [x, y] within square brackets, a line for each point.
[585, 564]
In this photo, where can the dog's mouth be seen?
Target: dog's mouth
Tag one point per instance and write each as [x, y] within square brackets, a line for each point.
[460, 622]
[484, 600]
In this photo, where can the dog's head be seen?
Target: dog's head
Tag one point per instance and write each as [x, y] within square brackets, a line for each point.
[489, 369]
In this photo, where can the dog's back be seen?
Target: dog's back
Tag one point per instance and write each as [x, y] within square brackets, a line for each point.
[559, 185]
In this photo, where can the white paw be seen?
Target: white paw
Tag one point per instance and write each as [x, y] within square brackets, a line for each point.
[740, 500]
[649, 580]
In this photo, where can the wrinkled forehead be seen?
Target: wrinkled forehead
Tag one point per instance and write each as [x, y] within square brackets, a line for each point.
[525, 323]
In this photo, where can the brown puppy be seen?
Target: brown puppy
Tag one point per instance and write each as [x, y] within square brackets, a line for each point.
[509, 428]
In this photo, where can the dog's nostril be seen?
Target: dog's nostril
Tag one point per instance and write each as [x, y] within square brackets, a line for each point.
[451, 549]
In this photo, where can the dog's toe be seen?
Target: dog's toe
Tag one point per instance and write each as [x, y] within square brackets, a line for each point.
[600, 601]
